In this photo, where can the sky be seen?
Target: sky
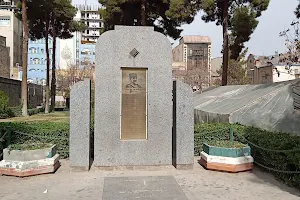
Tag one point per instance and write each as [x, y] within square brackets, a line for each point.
[264, 41]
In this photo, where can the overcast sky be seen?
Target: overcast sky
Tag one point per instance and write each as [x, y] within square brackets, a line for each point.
[264, 41]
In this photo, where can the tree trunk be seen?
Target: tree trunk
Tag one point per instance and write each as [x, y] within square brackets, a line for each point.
[225, 43]
[143, 13]
[53, 80]
[24, 59]
[48, 66]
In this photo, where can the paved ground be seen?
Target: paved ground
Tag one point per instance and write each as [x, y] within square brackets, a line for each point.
[196, 184]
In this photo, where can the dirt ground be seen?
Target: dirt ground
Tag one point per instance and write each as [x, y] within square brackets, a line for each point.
[197, 184]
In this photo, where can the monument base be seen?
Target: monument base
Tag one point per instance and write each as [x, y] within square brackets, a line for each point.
[226, 164]
[138, 167]
[79, 169]
[184, 167]
[29, 168]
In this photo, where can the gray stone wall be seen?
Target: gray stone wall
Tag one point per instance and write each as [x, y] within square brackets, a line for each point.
[13, 89]
[80, 117]
[112, 53]
[183, 126]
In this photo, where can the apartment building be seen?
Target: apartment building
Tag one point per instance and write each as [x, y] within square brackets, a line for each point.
[76, 51]
[9, 5]
[89, 14]
[216, 65]
[270, 69]
[194, 53]
[85, 42]
[37, 60]
[11, 29]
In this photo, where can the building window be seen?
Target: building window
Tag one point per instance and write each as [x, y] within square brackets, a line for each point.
[42, 51]
[50, 51]
[42, 61]
[31, 61]
[264, 78]
[36, 61]
[4, 21]
[33, 50]
[86, 52]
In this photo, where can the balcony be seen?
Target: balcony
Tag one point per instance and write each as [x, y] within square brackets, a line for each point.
[89, 8]
[94, 27]
[90, 35]
[90, 19]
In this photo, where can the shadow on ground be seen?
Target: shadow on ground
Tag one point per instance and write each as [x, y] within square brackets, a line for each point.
[265, 177]
[261, 177]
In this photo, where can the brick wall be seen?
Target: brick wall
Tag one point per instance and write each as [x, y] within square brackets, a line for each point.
[13, 89]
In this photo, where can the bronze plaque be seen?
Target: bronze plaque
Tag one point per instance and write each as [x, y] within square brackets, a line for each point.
[134, 100]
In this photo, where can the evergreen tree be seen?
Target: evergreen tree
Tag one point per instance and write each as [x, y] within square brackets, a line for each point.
[24, 91]
[51, 18]
[165, 15]
[62, 26]
[297, 11]
[238, 16]
[236, 70]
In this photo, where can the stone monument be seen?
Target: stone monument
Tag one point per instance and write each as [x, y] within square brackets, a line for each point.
[80, 119]
[137, 103]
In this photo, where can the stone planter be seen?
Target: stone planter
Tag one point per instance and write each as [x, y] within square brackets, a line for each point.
[29, 162]
[226, 159]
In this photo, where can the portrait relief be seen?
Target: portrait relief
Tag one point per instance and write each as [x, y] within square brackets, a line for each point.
[133, 81]
[134, 112]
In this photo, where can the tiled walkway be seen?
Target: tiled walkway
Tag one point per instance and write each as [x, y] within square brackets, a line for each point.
[196, 184]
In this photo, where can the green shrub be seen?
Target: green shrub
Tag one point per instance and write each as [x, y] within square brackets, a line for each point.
[284, 161]
[3, 100]
[40, 132]
[208, 133]
[17, 111]
[35, 111]
[5, 112]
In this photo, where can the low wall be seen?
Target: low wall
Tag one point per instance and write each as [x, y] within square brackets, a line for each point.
[207, 117]
[13, 89]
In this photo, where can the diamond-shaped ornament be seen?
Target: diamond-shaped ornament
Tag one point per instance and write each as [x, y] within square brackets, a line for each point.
[134, 52]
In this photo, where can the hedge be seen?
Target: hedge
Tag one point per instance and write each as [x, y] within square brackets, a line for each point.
[58, 133]
[284, 161]
[17, 111]
[39, 132]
